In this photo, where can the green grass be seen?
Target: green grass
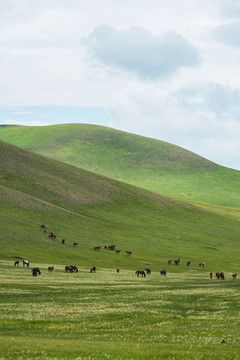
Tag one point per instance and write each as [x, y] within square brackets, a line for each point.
[106, 315]
[83, 207]
[151, 164]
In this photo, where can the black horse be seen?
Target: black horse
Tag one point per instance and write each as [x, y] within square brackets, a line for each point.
[140, 272]
[36, 271]
[71, 268]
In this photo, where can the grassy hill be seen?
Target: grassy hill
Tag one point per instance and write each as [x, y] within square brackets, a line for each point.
[92, 210]
[151, 164]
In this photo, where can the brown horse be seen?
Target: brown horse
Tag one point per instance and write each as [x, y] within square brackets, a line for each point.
[43, 226]
[118, 271]
[234, 276]
[97, 248]
[140, 272]
[220, 275]
[129, 252]
[149, 271]
[93, 269]
[75, 244]
[177, 261]
[71, 268]
[111, 247]
[50, 268]
[211, 275]
[163, 272]
[16, 263]
[118, 251]
[189, 263]
[169, 262]
[52, 235]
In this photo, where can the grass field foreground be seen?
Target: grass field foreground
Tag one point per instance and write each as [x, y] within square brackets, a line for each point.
[106, 315]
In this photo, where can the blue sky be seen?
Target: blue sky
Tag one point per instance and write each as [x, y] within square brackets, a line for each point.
[163, 69]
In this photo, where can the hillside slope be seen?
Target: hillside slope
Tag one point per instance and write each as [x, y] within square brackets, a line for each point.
[151, 164]
[92, 210]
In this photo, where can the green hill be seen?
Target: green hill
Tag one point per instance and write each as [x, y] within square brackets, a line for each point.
[151, 164]
[92, 210]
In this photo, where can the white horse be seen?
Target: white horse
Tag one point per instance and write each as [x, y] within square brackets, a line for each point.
[26, 262]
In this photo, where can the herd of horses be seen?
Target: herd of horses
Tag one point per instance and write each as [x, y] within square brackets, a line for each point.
[72, 268]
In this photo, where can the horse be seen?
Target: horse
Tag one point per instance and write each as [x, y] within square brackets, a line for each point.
[140, 272]
[202, 264]
[105, 247]
[149, 271]
[45, 231]
[52, 235]
[129, 252]
[163, 272]
[26, 262]
[189, 263]
[36, 271]
[118, 251]
[43, 226]
[169, 262]
[211, 275]
[234, 276]
[118, 271]
[71, 268]
[75, 244]
[220, 275]
[93, 269]
[16, 263]
[63, 241]
[50, 268]
[97, 248]
[111, 247]
[177, 261]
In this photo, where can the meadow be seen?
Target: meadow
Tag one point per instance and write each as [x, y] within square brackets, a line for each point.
[106, 315]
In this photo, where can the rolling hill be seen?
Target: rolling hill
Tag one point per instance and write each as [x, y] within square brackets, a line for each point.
[151, 164]
[84, 207]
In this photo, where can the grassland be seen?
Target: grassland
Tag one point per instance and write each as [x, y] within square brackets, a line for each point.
[106, 315]
[151, 164]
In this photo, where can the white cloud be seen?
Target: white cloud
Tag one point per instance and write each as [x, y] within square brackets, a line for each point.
[137, 51]
[23, 122]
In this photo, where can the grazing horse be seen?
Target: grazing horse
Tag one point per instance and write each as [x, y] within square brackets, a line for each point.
[129, 252]
[50, 268]
[177, 261]
[105, 247]
[169, 262]
[211, 275]
[118, 271]
[16, 263]
[163, 272]
[140, 272]
[118, 251]
[52, 235]
[75, 244]
[189, 263]
[220, 275]
[97, 248]
[36, 271]
[111, 247]
[63, 241]
[26, 262]
[71, 268]
[93, 269]
[45, 231]
[234, 276]
[149, 271]
[43, 226]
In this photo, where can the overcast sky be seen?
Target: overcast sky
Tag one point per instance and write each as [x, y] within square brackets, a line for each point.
[166, 69]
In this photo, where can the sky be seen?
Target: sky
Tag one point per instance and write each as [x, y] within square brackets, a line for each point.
[165, 69]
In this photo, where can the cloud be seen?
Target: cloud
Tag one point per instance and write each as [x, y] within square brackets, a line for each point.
[23, 122]
[137, 51]
[229, 8]
[204, 118]
[228, 34]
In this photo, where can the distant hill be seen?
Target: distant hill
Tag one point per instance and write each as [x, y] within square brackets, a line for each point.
[151, 164]
[92, 210]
